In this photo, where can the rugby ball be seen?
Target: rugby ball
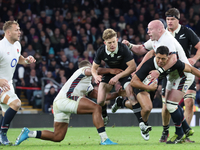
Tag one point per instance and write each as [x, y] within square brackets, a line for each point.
[148, 80]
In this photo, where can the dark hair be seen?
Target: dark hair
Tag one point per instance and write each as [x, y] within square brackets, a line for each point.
[173, 12]
[84, 63]
[163, 50]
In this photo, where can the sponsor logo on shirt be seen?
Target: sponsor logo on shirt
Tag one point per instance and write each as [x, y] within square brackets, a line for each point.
[106, 59]
[182, 36]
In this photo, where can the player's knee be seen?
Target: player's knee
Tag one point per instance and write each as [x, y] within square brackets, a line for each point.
[16, 104]
[171, 106]
[98, 108]
[147, 109]
[58, 138]
[189, 102]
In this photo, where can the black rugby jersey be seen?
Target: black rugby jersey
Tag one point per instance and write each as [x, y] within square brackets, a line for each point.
[187, 38]
[118, 61]
[149, 65]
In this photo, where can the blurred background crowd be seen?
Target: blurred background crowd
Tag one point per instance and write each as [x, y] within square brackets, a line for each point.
[61, 33]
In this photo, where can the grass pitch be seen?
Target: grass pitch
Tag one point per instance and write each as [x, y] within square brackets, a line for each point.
[128, 138]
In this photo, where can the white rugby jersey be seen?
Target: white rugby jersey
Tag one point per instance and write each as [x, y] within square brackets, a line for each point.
[9, 56]
[77, 85]
[169, 41]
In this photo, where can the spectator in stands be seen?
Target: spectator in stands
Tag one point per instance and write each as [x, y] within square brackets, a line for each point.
[69, 51]
[70, 70]
[60, 74]
[30, 50]
[31, 81]
[48, 100]
[87, 57]
[64, 62]
[48, 86]
[37, 46]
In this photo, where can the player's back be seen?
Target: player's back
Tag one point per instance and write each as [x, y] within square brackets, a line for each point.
[77, 85]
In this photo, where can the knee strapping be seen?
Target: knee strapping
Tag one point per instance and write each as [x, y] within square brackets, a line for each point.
[171, 106]
[191, 95]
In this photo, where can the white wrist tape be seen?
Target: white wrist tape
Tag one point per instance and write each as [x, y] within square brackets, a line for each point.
[161, 70]
[130, 46]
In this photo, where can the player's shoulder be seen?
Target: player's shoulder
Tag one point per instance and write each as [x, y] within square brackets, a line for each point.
[186, 30]
[17, 43]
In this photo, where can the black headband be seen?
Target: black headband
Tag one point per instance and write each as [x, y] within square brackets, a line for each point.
[172, 16]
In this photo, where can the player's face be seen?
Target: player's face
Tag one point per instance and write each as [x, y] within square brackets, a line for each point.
[15, 33]
[153, 32]
[111, 44]
[172, 23]
[161, 60]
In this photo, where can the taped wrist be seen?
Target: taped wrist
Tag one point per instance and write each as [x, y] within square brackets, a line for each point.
[130, 46]
[161, 70]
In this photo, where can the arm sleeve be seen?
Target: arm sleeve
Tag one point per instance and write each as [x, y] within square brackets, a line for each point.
[193, 37]
[148, 45]
[97, 58]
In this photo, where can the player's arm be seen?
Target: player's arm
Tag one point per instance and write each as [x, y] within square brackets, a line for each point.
[110, 96]
[136, 49]
[101, 71]
[131, 68]
[137, 83]
[94, 68]
[196, 57]
[148, 55]
[192, 70]
[28, 60]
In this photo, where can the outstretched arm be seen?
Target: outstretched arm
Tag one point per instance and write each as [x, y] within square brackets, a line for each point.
[136, 49]
[192, 70]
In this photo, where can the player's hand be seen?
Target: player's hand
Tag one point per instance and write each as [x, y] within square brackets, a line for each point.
[153, 86]
[30, 59]
[97, 79]
[126, 42]
[154, 74]
[192, 61]
[113, 80]
[4, 85]
[115, 71]
[121, 92]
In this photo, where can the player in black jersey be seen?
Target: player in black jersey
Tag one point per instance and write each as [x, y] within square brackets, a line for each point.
[188, 40]
[143, 97]
[115, 55]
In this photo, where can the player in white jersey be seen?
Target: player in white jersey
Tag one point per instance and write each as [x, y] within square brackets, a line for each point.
[10, 55]
[176, 87]
[71, 99]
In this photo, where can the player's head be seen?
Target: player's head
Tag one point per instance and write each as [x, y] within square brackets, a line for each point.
[172, 18]
[162, 53]
[155, 30]
[110, 39]
[84, 63]
[12, 31]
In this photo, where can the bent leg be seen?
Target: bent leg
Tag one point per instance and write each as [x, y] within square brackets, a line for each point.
[87, 106]
[146, 105]
[60, 130]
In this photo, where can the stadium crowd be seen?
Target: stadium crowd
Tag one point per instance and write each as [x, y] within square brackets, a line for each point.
[61, 33]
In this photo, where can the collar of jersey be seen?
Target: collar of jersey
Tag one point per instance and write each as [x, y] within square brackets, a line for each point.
[6, 40]
[155, 64]
[108, 52]
[176, 31]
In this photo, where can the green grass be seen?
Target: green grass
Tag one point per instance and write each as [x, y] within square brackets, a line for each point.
[128, 138]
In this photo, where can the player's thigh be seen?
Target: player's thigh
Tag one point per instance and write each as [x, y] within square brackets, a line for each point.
[144, 99]
[63, 108]
[86, 106]
[175, 95]
[103, 89]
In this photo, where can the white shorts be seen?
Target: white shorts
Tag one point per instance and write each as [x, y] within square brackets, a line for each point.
[63, 108]
[10, 96]
[181, 84]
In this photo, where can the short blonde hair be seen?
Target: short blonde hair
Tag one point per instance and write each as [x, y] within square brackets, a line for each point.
[8, 24]
[108, 34]
[84, 63]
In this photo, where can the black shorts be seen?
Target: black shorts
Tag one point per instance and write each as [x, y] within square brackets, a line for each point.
[164, 83]
[106, 78]
[152, 93]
